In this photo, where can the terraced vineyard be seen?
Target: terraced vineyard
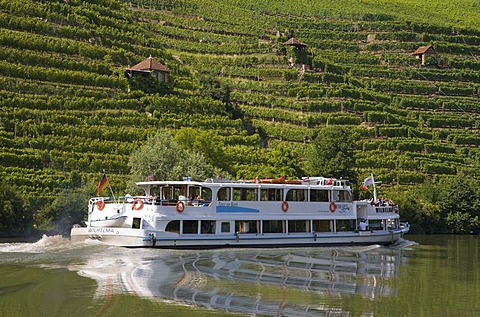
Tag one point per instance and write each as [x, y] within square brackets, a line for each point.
[68, 113]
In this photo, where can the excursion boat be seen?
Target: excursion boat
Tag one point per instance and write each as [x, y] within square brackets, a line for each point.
[223, 213]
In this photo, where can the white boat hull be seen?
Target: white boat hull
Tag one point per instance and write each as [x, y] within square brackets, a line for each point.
[147, 238]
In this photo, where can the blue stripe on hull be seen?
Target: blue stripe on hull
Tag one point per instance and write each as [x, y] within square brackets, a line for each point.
[235, 209]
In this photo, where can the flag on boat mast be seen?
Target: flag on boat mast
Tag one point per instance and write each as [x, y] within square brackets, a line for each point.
[102, 184]
[367, 182]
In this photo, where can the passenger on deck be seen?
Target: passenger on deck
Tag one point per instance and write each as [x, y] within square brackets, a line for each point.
[381, 202]
[198, 201]
[362, 225]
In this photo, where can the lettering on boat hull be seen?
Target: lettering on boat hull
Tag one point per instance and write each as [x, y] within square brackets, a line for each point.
[102, 230]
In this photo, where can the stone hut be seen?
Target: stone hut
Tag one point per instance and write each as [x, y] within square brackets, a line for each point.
[422, 52]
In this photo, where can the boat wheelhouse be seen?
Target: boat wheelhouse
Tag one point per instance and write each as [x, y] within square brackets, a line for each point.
[224, 213]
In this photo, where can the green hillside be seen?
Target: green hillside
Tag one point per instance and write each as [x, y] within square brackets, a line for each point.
[68, 111]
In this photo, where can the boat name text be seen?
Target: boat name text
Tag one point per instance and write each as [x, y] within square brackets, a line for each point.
[101, 230]
[229, 204]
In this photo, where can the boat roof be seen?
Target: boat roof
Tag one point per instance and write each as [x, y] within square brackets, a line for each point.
[272, 183]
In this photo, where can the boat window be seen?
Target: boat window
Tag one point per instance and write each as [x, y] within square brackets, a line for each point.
[206, 194]
[345, 225]
[155, 191]
[298, 226]
[179, 191]
[271, 194]
[296, 194]
[173, 226]
[190, 226]
[273, 226]
[136, 223]
[225, 227]
[224, 194]
[197, 192]
[193, 192]
[375, 224]
[246, 226]
[322, 226]
[241, 193]
[318, 195]
[172, 193]
[393, 224]
[342, 195]
[207, 226]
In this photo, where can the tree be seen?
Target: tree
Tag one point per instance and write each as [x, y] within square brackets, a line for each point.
[215, 89]
[459, 203]
[69, 208]
[284, 161]
[164, 159]
[332, 154]
[208, 143]
[417, 205]
[15, 215]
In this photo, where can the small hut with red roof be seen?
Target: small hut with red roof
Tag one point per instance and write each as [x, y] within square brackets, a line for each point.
[148, 67]
[422, 52]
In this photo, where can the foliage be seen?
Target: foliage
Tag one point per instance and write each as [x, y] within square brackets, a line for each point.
[284, 161]
[67, 209]
[15, 217]
[332, 153]
[149, 85]
[214, 89]
[459, 202]
[164, 159]
[448, 206]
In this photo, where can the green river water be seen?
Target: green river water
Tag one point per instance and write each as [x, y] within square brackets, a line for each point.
[422, 276]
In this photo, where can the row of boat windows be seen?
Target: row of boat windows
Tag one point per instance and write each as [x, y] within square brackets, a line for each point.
[251, 194]
[272, 226]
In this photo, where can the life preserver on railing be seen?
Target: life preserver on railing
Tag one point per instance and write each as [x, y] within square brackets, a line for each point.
[333, 207]
[101, 204]
[180, 206]
[137, 204]
[285, 206]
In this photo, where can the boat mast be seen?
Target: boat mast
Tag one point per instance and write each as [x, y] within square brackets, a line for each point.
[374, 189]
[110, 187]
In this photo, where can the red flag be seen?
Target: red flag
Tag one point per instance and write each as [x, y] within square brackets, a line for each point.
[102, 184]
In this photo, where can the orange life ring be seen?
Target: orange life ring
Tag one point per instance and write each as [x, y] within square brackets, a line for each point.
[101, 204]
[285, 206]
[333, 207]
[137, 204]
[180, 206]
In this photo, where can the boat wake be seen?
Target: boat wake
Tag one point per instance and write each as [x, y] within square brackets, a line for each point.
[45, 244]
[403, 244]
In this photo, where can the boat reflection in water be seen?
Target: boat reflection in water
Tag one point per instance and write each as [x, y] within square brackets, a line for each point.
[290, 282]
